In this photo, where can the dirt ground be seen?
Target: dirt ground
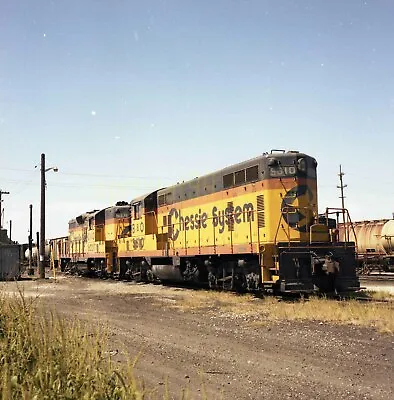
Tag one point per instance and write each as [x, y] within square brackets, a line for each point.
[223, 355]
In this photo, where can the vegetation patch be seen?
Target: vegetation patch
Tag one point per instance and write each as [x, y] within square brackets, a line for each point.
[379, 295]
[378, 315]
[45, 357]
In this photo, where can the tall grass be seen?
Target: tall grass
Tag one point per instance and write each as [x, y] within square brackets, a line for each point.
[45, 357]
[379, 316]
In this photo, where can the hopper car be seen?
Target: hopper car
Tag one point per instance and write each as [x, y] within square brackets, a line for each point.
[252, 226]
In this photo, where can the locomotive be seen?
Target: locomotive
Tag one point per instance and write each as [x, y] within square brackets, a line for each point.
[252, 226]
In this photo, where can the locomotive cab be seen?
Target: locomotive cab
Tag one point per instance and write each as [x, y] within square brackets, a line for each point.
[307, 253]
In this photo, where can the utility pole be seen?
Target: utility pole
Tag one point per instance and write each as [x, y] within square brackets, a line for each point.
[1, 208]
[41, 266]
[38, 247]
[30, 237]
[342, 197]
[10, 230]
[42, 216]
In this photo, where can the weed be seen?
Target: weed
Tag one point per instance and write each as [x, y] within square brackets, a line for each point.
[269, 309]
[45, 357]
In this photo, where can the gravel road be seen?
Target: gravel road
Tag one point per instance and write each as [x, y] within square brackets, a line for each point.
[224, 355]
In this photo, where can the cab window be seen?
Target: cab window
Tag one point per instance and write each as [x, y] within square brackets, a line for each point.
[137, 210]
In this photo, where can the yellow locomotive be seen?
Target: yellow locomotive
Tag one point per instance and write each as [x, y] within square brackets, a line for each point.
[250, 226]
[93, 238]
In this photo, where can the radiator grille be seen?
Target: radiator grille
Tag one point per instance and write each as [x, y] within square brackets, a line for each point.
[230, 215]
[260, 211]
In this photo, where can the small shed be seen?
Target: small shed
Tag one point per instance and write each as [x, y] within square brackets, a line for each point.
[10, 267]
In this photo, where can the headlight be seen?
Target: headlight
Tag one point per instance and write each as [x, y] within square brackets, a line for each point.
[301, 164]
[273, 162]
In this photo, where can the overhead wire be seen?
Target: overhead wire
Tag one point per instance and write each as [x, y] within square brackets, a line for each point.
[82, 185]
[23, 184]
[116, 176]
[26, 182]
[60, 172]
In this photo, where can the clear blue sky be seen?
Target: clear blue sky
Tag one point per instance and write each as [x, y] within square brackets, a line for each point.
[128, 96]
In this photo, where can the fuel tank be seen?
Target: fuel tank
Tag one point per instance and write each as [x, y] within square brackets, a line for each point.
[167, 273]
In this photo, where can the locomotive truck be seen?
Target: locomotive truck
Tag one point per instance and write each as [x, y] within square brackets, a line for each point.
[250, 226]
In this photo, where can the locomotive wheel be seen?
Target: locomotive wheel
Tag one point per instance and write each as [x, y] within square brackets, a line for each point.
[212, 281]
[239, 282]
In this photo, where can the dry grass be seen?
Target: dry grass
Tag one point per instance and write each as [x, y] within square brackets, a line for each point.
[380, 295]
[377, 315]
[45, 357]
[369, 314]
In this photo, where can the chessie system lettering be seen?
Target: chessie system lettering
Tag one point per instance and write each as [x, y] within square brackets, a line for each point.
[229, 217]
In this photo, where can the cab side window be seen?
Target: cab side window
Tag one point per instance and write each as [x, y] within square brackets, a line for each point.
[137, 210]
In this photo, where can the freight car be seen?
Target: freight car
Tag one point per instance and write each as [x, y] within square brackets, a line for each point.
[251, 226]
[375, 244]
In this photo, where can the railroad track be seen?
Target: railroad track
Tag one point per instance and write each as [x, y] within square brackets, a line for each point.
[371, 300]
[288, 297]
[377, 277]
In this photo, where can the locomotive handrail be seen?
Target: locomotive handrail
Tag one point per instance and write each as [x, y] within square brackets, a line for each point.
[286, 211]
[277, 229]
[348, 223]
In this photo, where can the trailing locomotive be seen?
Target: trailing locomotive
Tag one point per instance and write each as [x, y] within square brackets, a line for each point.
[375, 244]
[251, 226]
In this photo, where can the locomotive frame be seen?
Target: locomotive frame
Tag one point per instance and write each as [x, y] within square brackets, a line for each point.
[251, 226]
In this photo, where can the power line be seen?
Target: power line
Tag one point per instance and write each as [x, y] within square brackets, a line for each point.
[16, 169]
[93, 175]
[117, 176]
[82, 185]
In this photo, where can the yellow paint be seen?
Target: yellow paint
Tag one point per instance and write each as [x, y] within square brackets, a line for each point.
[142, 235]
[213, 227]
[254, 220]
